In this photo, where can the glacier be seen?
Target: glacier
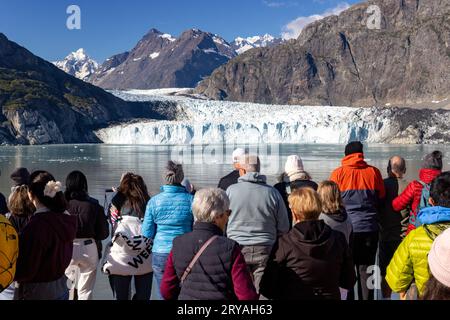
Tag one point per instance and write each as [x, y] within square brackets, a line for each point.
[202, 121]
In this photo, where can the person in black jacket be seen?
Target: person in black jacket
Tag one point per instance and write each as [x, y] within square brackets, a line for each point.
[294, 177]
[312, 261]
[93, 227]
[232, 178]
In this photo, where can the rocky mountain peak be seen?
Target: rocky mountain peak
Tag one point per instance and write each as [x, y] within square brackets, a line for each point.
[339, 60]
[161, 61]
[78, 64]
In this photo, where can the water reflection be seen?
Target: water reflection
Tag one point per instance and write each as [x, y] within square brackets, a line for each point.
[204, 165]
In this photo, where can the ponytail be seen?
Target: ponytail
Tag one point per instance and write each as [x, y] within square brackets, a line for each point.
[48, 191]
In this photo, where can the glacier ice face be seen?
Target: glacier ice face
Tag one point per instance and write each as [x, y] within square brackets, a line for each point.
[211, 122]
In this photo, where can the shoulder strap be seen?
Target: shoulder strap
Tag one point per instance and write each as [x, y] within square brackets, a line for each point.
[422, 183]
[196, 257]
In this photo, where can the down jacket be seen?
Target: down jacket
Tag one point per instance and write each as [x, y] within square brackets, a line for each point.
[410, 197]
[410, 261]
[168, 215]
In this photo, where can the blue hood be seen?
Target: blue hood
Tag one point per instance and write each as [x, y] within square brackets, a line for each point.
[434, 215]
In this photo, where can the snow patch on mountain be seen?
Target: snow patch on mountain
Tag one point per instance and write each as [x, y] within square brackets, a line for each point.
[241, 45]
[154, 55]
[168, 37]
[78, 64]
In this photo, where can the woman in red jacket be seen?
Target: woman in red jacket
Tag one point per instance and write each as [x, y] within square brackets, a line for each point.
[410, 197]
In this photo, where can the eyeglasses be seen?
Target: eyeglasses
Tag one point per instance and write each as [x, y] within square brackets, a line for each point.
[228, 212]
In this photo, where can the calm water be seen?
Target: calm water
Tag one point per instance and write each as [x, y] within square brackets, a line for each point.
[104, 165]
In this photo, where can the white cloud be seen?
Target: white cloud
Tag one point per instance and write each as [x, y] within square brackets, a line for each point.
[293, 29]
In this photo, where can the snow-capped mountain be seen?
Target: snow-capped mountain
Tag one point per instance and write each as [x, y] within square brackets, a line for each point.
[241, 45]
[161, 61]
[78, 64]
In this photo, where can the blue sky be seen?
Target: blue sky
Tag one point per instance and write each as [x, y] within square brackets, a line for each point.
[113, 26]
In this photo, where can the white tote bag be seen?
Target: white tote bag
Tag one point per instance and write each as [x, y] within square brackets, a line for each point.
[129, 252]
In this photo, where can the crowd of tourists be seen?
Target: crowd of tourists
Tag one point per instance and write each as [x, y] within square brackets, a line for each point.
[244, 240]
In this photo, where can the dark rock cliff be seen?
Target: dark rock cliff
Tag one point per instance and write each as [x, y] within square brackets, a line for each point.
[340, 61]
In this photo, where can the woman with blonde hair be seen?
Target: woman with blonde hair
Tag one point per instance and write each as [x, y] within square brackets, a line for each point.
[333, 210]
[312, 261]
[21, 210]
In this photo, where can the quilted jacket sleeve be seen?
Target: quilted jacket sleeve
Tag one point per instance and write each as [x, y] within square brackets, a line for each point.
[405, 199]
[400, 273]
[149, 226]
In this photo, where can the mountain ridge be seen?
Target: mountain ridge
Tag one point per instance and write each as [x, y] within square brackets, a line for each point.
[42, 104]
[339, 61]
[160, 61]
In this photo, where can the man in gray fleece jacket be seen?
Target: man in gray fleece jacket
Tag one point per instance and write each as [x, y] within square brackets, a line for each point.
[258, 216]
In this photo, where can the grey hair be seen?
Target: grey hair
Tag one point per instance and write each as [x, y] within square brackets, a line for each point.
[250, 163]
[209, 204]
[174, 173]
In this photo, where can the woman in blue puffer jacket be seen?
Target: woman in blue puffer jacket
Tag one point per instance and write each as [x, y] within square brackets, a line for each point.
[168, 215]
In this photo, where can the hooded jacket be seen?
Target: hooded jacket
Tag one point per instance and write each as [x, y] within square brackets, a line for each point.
[410, 197]
[339, 221]
[45, 247]
[258, 212]
[362, 188]
[410, 262]
[310, 262]
[168, 215]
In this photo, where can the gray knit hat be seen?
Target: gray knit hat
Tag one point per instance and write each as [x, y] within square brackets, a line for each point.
[174, 173]
[433, 161]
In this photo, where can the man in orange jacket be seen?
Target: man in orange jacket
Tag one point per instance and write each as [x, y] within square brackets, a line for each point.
[362, 189]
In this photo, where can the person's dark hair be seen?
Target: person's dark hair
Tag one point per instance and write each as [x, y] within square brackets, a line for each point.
[434, 290]
[38, 182]
[440, 190]
[133, 187]
[20, 177]
[354, 147]
[433, 161]
[19, 202]
[76, 186]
